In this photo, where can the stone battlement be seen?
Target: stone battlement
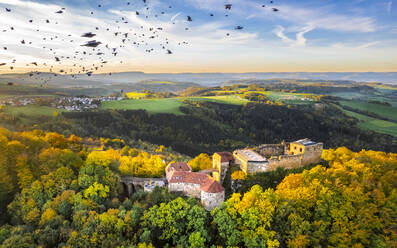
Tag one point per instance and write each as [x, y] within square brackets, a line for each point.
[268, 157]
[268, 150]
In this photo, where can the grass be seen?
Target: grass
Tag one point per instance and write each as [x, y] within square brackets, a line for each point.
[171, 105]
[366, 122]
[349, 95]
[285, 97]
[382, 110]
[27, 113]
[32, 110]
[153, 106]
[167, 105]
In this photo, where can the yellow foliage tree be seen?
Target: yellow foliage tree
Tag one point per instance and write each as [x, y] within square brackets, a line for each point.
[239, 175]
[201, 162]
[47, 215]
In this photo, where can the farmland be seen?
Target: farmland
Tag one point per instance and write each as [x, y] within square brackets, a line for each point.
[135, 95]
[381, 110]
[374, 124]
[284, 97]
[167, 105]
[31, 110]
[228, 99]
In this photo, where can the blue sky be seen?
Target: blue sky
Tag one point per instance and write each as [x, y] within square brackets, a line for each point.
[316, 35]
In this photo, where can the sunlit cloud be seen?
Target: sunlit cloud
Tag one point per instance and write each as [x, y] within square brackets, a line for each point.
[268, 38]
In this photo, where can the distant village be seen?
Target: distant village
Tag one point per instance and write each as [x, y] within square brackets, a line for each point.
[67, 103]
[207, 185]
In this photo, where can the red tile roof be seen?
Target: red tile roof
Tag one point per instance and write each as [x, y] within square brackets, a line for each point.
[206, 183]
[188, 177]
[178, 166]
[212, 186]
[225, 156]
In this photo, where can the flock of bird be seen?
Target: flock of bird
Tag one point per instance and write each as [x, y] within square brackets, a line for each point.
[93, 47]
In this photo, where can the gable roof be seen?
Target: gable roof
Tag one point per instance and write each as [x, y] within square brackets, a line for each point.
[206, 183]
[212, 186]
[225, 156]
[188, 177]
[178, 166]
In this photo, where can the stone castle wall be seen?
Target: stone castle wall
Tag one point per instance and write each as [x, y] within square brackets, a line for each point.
[212, 200]
[285, 161]
[253, 168]
[224, 168]
[312, 154]
[268, 150]
[187, 188]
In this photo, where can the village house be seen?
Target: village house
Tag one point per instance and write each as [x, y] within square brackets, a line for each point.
[181, 179]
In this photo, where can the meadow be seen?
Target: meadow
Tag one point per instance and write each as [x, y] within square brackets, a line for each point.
[370, 123]
[167, 105]
[381, 110]
[32, 110]
[154, 106]
[285, 97]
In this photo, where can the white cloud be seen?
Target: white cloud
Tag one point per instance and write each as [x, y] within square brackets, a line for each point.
[208, 46]
[300, 38]
[369, 44]
[201, 39]
[279, 31]
[175, 16]
[323, 19]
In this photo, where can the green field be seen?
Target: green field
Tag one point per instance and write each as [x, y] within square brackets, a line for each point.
[27, 113]
[167, 105]
[349, 95]
[289, 98]
[32, 110]
[285, 97]
[381, 110]
[373, 124]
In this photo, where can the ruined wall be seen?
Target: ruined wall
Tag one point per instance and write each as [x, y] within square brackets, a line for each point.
[268, 150]
[312, 154]
[253, 168]
[190, 189]
[285, 161]
[224, 168]
[212, 200]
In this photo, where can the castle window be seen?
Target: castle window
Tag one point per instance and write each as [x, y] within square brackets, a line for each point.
[300, 150]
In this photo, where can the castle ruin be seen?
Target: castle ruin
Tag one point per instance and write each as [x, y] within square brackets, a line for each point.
[269, 157]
